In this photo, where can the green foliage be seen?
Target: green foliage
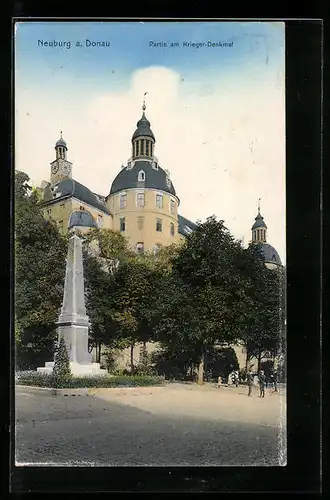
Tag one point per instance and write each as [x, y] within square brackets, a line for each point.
[36, 379]
[263, 328]
[61, 369]
[221, 361]
[144, 367]
[40, 253]
[200, 302]
[175, 364]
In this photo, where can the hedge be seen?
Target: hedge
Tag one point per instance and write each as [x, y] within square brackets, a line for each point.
[36, 379]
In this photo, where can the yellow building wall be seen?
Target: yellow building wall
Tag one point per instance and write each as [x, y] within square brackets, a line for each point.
[150, 212]
[60, 212]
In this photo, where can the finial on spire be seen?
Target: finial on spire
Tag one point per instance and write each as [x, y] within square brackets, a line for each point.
[61, 135]
[144, 101]
[259, 206]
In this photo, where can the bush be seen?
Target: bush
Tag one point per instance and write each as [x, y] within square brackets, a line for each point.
[61, 370]
[37, 379]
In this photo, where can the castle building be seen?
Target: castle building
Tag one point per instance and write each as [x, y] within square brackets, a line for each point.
[142, 203]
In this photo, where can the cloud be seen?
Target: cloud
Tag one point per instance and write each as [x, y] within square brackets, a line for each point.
[223, 142]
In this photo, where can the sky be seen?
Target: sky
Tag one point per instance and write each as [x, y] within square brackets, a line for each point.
[217, 112]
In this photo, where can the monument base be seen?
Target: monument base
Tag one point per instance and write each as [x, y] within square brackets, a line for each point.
[77, 369]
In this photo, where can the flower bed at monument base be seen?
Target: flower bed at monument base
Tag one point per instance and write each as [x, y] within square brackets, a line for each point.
[36, 379]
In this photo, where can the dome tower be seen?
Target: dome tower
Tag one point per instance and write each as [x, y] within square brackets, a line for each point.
[61, 168]
[142, 197]
[259, 236]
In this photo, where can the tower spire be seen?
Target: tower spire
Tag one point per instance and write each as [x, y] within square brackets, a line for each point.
[144, 102]
[143, 139]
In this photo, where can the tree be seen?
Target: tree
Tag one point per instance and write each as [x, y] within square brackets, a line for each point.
[200, 301]
[40, 253]
[261, 332]
[135, 282]
[104, 250]
[61, 369]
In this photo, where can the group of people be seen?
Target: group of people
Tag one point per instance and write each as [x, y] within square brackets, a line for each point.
[263, 381]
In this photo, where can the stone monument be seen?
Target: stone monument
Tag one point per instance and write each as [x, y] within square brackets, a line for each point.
[73, 322]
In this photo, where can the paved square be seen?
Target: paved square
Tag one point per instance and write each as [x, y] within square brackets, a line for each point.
[175, 425]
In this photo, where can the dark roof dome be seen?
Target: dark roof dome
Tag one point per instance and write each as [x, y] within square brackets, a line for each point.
[154, 178]
[81, 218]
[61, 142]
[270, 254]
[67, 188]
[143, 128]
[259, 222]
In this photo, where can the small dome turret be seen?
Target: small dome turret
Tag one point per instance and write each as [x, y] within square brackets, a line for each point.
[259, 228]
[61, 148]
[143, 139]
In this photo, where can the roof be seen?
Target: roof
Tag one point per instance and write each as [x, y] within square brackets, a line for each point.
[81, 218]
[154, 179]
[270, 254]
[61, 142]
[67, 188]
[185, 226]
[259, 222]
[143, 128]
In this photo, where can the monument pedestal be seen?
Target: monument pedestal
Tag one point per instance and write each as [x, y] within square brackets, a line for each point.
[77, 369]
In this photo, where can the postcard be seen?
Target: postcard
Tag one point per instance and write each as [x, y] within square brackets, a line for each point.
[150, 251]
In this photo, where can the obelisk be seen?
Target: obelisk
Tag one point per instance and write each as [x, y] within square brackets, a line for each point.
[73, 323]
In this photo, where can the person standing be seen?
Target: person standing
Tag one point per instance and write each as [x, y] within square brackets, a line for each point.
[249, 378]
[236, 378]
[275, 380]
[262, 380]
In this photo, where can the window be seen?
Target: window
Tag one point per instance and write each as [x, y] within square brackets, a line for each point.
[168, 182]
[172, 229]
[81, 208]
[137, 148]
[140, 200]
[140, 247]
[159, 225]
[122, 200]
[142, 146]
[99, 220]
[141, 176]
[140, 221]
[147, 148]
[187, 230]
[60, 226]
[122, 224]
[159, 200]
[172, 206]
